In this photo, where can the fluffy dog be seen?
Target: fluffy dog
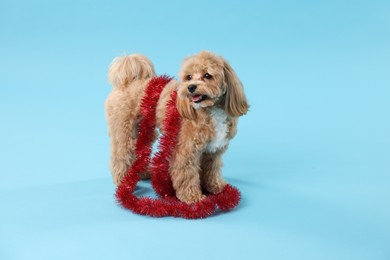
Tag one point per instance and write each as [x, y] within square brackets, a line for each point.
[210, 98]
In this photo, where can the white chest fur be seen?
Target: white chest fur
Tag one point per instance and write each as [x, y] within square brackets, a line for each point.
[220, 139]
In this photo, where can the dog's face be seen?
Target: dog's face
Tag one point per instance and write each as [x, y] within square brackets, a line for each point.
[207, 80]
[201, 78]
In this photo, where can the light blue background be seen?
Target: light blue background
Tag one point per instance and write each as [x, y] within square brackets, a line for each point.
[312, 158]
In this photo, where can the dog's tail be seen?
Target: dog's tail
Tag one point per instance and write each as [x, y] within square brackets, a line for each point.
[126, 69]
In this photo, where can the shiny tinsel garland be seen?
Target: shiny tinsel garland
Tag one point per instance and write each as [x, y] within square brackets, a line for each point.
[167, 204]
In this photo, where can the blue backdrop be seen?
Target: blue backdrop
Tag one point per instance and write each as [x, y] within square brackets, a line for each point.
[312, 157]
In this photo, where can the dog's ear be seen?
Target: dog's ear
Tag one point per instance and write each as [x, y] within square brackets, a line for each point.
[185, 108]
[235, 101]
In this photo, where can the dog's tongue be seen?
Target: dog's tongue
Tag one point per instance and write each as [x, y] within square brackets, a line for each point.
[196, 98]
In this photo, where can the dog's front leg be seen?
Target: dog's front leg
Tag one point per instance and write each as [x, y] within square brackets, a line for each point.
[184, 169]
[211, 177]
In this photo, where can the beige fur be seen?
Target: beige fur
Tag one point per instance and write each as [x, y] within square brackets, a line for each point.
[210, 114]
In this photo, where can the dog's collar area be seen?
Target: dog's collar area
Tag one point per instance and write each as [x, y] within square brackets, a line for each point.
[219, 99]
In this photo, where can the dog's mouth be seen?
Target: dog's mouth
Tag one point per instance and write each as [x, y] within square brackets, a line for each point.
[198, 98]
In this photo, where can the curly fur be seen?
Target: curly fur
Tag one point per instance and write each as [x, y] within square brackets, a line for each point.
[209, 114]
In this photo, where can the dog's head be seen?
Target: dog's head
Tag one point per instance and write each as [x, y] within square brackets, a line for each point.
[208, 80]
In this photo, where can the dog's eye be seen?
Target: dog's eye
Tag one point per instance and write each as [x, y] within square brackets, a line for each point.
[207, 76]
[189, 77]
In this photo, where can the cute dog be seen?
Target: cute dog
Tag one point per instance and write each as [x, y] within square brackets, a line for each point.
[210, 99]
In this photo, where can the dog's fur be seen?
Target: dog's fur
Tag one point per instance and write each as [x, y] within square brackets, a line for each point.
[209, 118]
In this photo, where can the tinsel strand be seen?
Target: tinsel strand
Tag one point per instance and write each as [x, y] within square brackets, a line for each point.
[167, 204]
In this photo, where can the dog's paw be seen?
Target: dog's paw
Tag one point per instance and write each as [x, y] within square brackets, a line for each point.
[191, 198]
[195, 199]
[216, 188]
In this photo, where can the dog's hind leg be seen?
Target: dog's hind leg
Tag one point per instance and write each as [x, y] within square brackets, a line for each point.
[123, 140]
[128, 76]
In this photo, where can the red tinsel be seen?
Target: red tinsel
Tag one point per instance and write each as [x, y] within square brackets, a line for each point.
[167, 204]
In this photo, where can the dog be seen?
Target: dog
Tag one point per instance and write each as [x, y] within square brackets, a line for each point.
[210, 99]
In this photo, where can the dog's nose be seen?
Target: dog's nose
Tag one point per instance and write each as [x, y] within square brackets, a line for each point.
[191, 88]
